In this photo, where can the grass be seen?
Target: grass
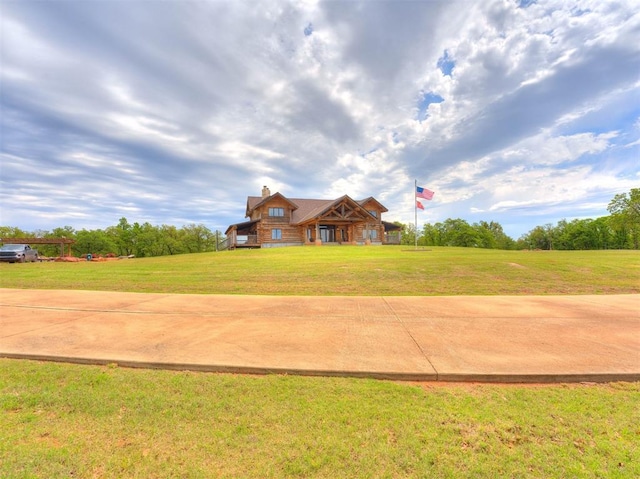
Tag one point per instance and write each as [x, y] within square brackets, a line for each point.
[61, 421]
[65, 421]
[346, 271]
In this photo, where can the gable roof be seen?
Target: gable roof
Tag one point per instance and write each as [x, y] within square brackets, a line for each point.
[304, 210]
[309, 209]
[371, 198]
[324, 206]
[254, 202]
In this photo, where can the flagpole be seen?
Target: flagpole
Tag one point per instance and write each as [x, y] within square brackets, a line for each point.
[415, 208]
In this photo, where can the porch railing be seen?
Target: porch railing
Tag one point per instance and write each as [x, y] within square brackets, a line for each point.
[392, 238]
[223, 244]
[246, 240]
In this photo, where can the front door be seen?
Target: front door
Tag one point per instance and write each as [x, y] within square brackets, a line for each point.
[328, 234]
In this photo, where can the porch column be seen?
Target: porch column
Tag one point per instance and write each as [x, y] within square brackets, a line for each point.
[318, 239]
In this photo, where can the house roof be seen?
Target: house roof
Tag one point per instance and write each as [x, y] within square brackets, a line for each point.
[308, 209]
[391, 226]
[241, 226]
[371, 198]
[305, 209]
[254, 202]
[323, 206]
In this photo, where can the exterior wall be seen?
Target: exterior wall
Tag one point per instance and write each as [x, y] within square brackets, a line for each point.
[360, 231]
[290, 233]
[297, 235]
[375, 207]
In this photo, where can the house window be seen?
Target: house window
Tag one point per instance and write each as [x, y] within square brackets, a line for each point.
[370, 234]
[276, 234]
[276, 211]
[374, 213]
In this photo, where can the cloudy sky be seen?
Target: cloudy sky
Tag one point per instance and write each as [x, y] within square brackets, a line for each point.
[173, 112]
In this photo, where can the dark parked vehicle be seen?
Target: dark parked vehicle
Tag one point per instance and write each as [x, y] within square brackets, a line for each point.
[18, 253]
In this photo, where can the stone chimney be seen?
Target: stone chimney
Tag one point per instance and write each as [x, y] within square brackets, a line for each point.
[266, 192]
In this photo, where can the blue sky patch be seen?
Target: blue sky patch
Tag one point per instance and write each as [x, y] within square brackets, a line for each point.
[446, 64]
[423, 105]
[308, 30]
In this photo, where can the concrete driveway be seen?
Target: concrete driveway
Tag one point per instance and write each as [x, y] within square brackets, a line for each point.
[456, 338]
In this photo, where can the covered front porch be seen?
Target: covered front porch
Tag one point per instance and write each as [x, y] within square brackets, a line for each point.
[243, 235]
[339, 233]
[323, 233]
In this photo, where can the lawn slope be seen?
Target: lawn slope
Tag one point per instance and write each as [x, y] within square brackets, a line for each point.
[346, 270]
[62, 421]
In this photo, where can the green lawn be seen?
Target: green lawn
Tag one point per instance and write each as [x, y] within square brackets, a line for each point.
[67, 421]
[346, 270]
[71, 421]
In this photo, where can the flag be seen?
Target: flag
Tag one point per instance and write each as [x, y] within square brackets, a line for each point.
[424, 193]
[419, 205]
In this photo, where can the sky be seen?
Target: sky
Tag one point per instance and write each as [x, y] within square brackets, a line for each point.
[173, 112]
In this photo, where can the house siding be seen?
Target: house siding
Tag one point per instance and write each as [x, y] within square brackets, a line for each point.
[348, 222]
[372, 225]
[290, 233]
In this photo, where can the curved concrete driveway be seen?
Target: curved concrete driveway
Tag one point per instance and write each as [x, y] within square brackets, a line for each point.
[458, 338]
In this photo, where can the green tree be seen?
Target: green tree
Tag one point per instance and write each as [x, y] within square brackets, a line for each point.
[625, 214]
[93, 242]
[171, 239]
[457, 232]
[149, 240]
[486, 235]
[67, 232]
[198, 238]
[603, 232]
[12, 232]
[122, 236]
[491, 235]
[582, 234]
[540, 237]
[408, 233]
[431, 235]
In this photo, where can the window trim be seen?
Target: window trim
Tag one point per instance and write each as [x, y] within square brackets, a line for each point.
[275, 210]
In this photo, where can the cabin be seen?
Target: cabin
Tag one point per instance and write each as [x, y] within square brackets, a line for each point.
[275, 220]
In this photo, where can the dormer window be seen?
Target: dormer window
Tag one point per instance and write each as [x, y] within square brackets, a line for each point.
[276, 212]
[374, 213]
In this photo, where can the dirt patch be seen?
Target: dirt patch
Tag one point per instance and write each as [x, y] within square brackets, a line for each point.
[68, 259]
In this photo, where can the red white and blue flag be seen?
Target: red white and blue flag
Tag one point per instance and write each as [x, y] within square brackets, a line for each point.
[423, 193]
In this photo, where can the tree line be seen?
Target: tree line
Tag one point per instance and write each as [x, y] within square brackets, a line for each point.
[619, 230]
[126, 239]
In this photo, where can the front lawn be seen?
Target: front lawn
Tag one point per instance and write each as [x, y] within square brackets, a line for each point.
[346, 270]
[65, 421]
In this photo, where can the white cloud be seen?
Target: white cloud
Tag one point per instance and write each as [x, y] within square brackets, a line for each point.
[209, 101]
